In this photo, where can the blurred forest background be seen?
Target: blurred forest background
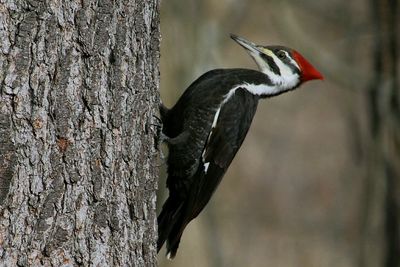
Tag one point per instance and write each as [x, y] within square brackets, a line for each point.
[316, 182]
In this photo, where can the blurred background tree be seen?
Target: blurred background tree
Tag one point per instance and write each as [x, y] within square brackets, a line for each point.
[316, 182]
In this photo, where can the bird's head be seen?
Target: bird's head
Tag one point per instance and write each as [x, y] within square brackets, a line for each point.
[285, 67]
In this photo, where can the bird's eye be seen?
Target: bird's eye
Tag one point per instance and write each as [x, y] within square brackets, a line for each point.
[281, 54]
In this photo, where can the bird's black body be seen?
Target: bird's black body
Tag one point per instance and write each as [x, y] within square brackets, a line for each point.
[206, 127]
[190, 123]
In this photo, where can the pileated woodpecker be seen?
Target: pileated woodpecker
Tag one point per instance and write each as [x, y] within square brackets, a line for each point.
[208, 124]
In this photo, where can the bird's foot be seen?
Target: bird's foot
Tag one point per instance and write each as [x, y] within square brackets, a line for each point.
[181, 138]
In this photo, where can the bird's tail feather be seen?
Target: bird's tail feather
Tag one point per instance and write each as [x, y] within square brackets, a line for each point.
[165, 222]
[171, 223]
[174, 238]
[169, 220]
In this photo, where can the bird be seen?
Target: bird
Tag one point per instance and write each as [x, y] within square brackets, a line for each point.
[206, 127]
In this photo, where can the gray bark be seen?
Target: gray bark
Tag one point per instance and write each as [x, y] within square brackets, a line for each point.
[78, 94]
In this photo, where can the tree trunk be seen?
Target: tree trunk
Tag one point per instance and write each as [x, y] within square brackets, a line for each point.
[383, 198]
[78, 92]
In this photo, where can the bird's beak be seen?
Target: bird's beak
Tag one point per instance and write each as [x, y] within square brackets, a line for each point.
[251, 47]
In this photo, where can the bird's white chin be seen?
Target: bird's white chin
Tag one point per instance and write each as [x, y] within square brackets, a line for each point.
[283, 82]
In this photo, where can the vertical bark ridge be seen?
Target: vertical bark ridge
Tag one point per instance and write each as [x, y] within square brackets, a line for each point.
[78, 95]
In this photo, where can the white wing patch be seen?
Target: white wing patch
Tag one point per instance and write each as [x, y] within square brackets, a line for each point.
[207, 164]
[216, 117]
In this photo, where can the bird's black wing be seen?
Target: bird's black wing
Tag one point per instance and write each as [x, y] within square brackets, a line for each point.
[193, 115]
[225, 139]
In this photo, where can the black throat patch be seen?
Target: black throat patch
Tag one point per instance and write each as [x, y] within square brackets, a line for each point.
[271, 63]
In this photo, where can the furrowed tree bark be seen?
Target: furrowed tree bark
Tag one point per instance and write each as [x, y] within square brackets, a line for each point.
[78, 96]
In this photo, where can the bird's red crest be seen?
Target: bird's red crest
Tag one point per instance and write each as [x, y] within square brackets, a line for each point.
[308, 72]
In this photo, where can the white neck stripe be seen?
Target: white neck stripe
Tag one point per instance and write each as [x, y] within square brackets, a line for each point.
[255, 89]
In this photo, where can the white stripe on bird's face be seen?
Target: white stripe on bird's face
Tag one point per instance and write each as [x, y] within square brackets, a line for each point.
[287, 78]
